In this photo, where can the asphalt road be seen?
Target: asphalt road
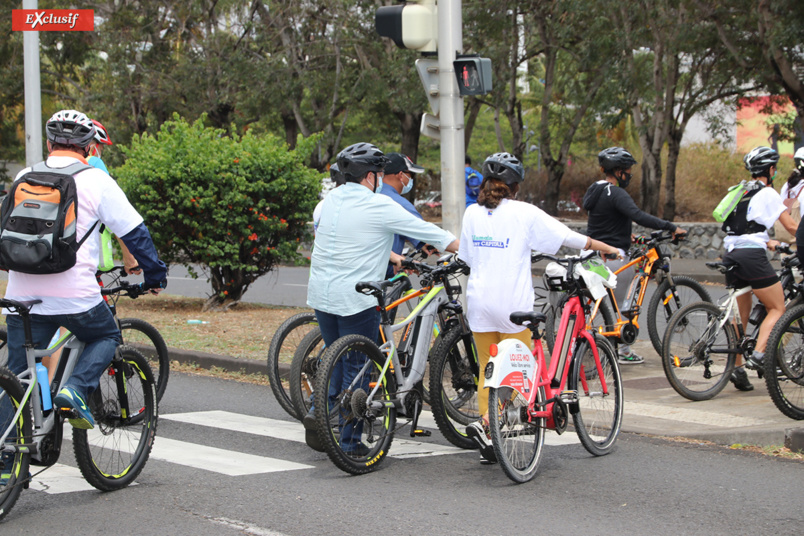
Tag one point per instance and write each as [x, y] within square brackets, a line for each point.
[258, 478]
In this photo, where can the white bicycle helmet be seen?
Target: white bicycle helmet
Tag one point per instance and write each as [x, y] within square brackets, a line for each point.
[70, 127]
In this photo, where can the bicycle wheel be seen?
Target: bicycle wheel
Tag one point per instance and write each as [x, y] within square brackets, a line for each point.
[112, 455]
[3, 349]
[146, 339]
[785, 352]
[355, 437]
[665, 302]
[304, 369]
[280, 354]
[517, 442]
[14, 464]
[692, 369]
[453, 386]
[604, 318]
[598, 414]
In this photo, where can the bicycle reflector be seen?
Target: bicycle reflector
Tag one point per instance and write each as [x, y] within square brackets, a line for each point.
[493, 350]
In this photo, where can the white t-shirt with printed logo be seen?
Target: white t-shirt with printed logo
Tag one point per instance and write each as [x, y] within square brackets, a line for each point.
[76, 290]
[497, 244]
[764, 208]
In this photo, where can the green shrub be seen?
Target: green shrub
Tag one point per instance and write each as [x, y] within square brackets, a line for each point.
[236, 206]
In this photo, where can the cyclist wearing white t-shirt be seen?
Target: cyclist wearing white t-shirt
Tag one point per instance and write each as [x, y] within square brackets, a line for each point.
[497, 238]
[746, 244]
[72, 298]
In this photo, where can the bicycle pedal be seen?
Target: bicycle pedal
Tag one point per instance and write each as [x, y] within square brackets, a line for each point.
[569, 397]
[420, 433]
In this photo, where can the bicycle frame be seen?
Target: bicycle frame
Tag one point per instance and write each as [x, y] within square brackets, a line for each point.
[510, 364]
[424, 314]
[44, 424]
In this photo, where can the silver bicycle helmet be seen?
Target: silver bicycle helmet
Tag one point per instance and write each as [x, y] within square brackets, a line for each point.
[760, 159]
[505, 167]
[70, 127]
[359, 159]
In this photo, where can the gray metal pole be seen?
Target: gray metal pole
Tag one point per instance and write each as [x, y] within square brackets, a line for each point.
[450, 43]
[33, 93]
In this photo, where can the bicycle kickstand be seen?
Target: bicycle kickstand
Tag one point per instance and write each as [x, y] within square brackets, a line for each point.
[414, 426]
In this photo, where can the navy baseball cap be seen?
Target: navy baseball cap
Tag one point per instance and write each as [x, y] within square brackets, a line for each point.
[399, 162]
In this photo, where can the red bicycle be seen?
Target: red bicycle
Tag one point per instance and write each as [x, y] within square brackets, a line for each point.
[583, 379]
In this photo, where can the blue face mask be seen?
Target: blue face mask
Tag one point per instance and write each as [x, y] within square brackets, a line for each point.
[409, 186]
[377, 183]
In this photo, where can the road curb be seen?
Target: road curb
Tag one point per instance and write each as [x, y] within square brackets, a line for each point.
[228, 363]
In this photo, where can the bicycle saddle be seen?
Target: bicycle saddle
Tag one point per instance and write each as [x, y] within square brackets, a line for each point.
[533, 317]
[22, 307]
[721, 266]
[373, 288]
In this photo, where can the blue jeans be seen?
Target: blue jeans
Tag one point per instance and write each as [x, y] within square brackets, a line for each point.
[96, 328]
[332, 328]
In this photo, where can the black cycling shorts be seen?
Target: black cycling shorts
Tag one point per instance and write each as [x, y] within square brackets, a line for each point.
[753, 268]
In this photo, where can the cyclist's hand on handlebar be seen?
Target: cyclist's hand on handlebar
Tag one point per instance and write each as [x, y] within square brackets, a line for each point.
[679, 234]
[428, 250]
[396, 259]
[773, 244]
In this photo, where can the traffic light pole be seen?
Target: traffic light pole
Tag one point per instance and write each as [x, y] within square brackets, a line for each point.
[33, 97]
[450, 44]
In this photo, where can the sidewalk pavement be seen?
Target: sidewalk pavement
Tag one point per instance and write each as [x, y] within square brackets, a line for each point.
[651, 405]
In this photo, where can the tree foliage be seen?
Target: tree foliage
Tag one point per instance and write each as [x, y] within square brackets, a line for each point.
[233, 205]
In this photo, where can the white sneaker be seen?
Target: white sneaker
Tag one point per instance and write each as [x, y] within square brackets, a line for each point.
[480, 434]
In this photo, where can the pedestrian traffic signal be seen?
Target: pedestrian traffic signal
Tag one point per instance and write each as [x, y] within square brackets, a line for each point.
[412, 25]
[474, 75]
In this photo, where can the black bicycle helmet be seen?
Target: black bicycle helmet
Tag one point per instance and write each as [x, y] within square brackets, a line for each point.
[505, 167]
[336, 175]
[70, 127]
[615, 159]
[361, 158]
[760, 159]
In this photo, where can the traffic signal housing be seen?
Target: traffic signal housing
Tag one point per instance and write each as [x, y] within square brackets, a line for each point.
[411, 25]
[473, 74]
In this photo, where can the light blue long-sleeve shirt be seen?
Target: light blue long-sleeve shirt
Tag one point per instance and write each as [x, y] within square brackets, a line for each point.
[353, 243]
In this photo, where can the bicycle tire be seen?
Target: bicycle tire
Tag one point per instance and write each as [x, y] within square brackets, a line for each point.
[784, 364]
[376, 427]
[112, 455]
[3, 349]
[146, 339]
[11, 396]
[454, 385]
[605, 318]
[597, 417]
[692, 370]
[662, 307]
[304, 370]
[283, 347]
[518, 444]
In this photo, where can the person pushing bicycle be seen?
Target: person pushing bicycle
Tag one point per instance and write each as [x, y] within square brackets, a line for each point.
[611, 215]
[497, 237]
[72, 298]
[746, 243]
[353, 244]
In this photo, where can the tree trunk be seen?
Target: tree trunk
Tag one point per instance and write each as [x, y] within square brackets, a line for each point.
[409, 128]
[674, 148]
[471, 119]
[291, 128]
[555, 172]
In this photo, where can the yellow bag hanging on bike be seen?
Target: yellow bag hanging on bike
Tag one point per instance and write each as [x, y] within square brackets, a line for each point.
[106, 257]
[729, 202]
[596, 275]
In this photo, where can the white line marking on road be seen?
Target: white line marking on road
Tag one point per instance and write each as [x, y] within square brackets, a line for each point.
[696, 416]
[295, 284]
[293, 431]
[60, 479]
[246, 528]
[225, 461]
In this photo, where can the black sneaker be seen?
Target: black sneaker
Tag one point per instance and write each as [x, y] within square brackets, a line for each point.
[740, 380]
[480, 435]
[311, 431]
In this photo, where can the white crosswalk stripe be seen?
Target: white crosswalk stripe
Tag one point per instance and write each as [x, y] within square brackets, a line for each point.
[66, 479]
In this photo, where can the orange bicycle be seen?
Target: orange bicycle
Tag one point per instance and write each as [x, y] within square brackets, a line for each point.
[652, 260]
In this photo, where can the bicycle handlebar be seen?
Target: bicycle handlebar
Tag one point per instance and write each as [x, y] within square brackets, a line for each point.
[126, 289]
[536, 257]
